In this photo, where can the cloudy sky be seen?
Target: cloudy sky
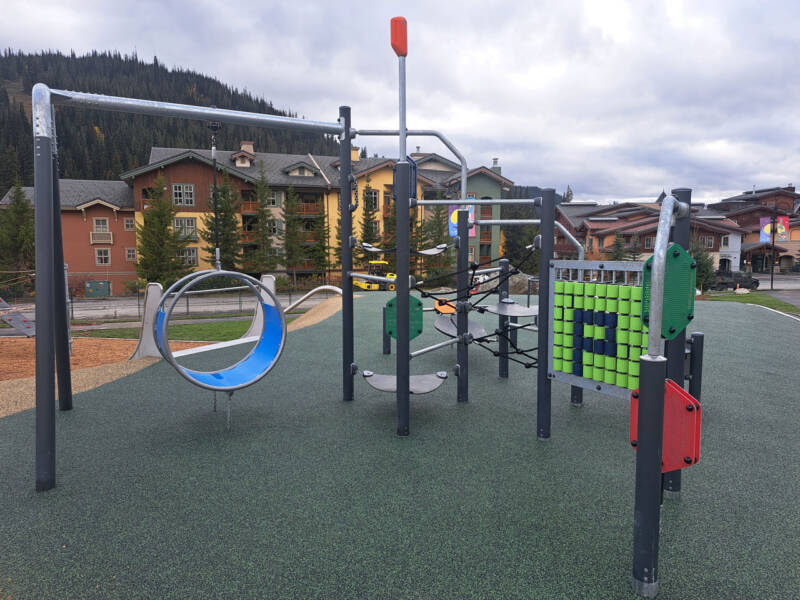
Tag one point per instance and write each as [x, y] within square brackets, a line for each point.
[619, 99]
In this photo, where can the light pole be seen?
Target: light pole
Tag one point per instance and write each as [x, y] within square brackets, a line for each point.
[214, 127]
[774, 223]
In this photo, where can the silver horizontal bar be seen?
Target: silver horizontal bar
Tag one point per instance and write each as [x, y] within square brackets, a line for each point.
[186, 111]
[476, 201]
[443, 344]
[375, 278]
[505, 222]
[489, 270]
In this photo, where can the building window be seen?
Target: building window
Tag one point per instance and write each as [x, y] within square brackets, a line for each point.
[707, 241]
[472, 254]
[275, 198]
[371, 199]
[130, 254]
[589, 243]
[649, 242]
[189, 256]
[276, 252]
[183, 194]
[725, 241]
[486, 212]
[274, 226]
[186, 226]
[485, 250]
[308, 226]
[129, 223]
[101, 225]
[387, 197]
[376, 227]
[301, 171]
[102, 257]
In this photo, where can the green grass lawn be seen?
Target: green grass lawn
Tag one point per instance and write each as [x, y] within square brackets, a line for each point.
[206, 332]
[759, 298]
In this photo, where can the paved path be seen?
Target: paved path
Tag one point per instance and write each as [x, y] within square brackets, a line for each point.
[790, 296]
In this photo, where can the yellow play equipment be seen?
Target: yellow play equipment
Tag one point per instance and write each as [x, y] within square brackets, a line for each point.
[376, 267]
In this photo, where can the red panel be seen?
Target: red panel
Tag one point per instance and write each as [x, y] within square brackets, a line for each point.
[682, 425]
[400, 36]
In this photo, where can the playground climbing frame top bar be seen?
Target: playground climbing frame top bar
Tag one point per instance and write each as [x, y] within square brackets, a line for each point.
[44, 96]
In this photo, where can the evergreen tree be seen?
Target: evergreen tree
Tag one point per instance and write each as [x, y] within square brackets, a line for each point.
[517, 239]
[292, 234]
[337, 248]
[261, 258]
[390, 237]
[318, 252]
[618, 251]
[417, 241]
[159, 244]
[9, 170]
[705, 264]
[436, 229]
[369, 216]
[230, 237]
[634, 254]
[17, 244]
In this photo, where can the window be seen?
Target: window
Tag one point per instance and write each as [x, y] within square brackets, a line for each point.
[275, 198]
[649, 243]
[387, 197]
[472, 254]
[101, 225]
[276, 252]
[486, 212]
[186, 226]
[371, 199]
[308, 226]
[376, 227]
[301, 171]
[707, 241]
[589, 243]
[189, 256]
[183, 194]
[725, 241]
[102, 257]
[274, 226]
[130, 254]
[129, 224]
[485, 250]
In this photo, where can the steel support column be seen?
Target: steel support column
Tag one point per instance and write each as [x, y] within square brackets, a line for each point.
[348, 361]
[545, 256]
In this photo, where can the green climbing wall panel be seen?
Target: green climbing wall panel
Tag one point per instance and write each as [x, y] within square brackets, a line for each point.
[679, 284]
[414, 317]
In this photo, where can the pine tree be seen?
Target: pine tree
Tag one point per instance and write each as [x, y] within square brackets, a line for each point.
[318, 252]
[230, 237]
[17, 244]
[369, 216]
[517, 239]
[618, 251]
[705, 264]
[437, 232]
[634, 254]
[159, 244]
[9, 169]
[390, 237]
[292, 234]
[261, 259]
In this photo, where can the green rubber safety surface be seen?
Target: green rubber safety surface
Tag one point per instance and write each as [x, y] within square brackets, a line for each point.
[679, 288]
[311, 497]
[414, 317]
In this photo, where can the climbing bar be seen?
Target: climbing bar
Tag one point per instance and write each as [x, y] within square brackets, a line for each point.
[483, 201]
[184, 111]
[489, 270]
[505, 222]
[438, 346]
[375, 278]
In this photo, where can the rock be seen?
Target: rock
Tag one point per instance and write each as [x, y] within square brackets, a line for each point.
[741, 291]
[518, 284]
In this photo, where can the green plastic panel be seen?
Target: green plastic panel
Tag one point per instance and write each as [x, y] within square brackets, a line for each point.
[414, 317]
[679, 285]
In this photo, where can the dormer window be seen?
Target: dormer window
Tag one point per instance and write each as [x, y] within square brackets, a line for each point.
[300, 170]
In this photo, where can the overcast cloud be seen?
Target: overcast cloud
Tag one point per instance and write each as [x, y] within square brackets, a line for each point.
[617, 99]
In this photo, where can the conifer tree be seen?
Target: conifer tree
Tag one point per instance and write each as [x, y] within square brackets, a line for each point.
[634, 254]
[436, 229]
[369, 216]
[618, 251]
[319, 252]
[261, 259]
[159, 244]
[17, 244]
[292, 234]
[230, 238]
[705, 264]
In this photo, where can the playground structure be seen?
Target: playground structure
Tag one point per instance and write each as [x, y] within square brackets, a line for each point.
[52, 323]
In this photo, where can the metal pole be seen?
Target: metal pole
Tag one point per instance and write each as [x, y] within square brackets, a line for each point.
[647, 503]
[61, 318]
[502, 331]
[345, 193]
[45, 351]
[696, 365]
[387, 340]
[214, 127]
[774, 223]
[675, 348]
[462, 306]
[403, 255]
[545, 256]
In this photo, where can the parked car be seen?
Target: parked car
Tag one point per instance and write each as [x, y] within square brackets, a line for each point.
[730, 279]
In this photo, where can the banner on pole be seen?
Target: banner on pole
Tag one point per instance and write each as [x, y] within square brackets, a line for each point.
[453, 220]
[782, 229]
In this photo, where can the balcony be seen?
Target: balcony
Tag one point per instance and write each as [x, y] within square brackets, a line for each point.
[309, 237]
[189, 236]
[486, 237]
[101, 237]
[305, 265]
[309, 208]
[249, 207]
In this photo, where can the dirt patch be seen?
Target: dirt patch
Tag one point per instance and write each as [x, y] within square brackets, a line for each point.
[317, 314]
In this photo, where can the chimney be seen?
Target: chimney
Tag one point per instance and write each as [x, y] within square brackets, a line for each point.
[354, 155]
[496, 166]
[417, 149]
[246, 146]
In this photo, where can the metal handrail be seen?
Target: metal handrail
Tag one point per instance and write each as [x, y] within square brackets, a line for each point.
[316, 290]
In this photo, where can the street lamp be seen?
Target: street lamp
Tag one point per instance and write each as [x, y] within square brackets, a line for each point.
[214, 127]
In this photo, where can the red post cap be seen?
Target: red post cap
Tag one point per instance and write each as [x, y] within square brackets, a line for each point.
[400, 36]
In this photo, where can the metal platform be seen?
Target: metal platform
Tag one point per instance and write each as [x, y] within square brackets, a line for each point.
[509, 308]
[446, 324]
[418, 384]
